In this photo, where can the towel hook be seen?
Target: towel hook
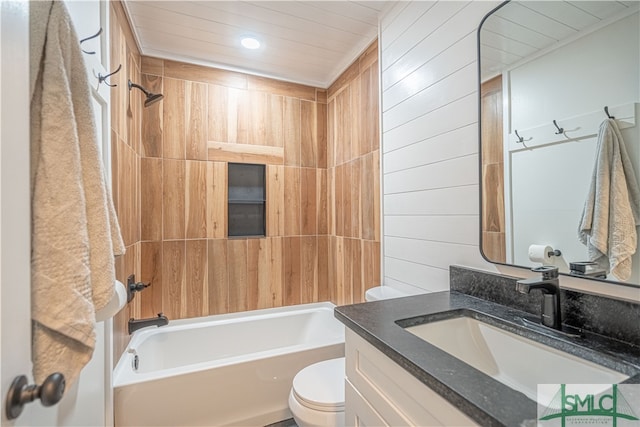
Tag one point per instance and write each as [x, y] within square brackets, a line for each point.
[520, 139]
[89, 38]
[606, 111]
[103, 79]
[560, 130]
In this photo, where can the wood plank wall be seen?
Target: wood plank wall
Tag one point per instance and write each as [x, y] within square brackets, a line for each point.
[210, 117]
[170, 185]
[493, 225]
[353, 174]
[126, 119]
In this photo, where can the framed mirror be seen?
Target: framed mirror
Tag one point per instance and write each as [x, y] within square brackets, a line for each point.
[551, 73]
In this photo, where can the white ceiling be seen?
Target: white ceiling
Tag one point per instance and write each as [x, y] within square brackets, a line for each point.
[309, 42]
[521, 29]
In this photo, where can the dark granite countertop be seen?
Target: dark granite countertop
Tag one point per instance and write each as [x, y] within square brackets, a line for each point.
[484, 399]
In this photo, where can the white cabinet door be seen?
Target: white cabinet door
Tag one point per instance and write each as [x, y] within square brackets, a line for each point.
[359, 412]
[398, 397]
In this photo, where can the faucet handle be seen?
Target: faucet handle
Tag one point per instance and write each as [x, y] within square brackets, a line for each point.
[548, 271]
[133, 287]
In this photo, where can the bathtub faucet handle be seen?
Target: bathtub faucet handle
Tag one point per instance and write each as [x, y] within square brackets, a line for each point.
[137, 287]
[133, 286]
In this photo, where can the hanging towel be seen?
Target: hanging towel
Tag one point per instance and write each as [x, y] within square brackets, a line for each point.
[612, 209]
[75, 232]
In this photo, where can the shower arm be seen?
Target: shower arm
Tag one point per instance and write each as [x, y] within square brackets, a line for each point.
[132, 84]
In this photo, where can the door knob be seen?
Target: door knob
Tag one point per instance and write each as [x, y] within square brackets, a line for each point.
[49, 393]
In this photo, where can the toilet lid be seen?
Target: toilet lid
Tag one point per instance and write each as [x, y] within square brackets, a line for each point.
[321, 386]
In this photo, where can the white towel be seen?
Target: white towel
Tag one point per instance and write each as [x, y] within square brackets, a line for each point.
[612, 209]
[75, 232]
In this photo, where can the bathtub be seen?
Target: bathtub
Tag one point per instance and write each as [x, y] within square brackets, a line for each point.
[232, 369]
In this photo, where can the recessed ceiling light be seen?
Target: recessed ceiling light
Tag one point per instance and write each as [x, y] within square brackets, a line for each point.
[250, 42]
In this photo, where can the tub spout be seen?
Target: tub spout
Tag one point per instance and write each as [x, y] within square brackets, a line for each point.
[135, 324]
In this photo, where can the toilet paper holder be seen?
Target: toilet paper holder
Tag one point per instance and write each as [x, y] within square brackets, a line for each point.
[543, 253]
[555, 252]
[133, 287]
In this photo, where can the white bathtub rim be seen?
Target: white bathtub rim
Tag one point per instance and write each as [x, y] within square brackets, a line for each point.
[242, 314]
[124, 375]
[223, 319]
[141, 335]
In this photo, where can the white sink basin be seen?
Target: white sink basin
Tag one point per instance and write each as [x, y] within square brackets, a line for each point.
[517, 362]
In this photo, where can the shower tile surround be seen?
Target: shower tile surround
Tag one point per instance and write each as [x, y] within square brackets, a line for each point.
[126, 116]
[598, 314]
[169, 184]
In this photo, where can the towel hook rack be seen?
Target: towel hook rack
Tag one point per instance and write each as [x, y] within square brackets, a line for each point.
[89, 38]
[606, 111]
[520, 139]
[103, 79]
[560, 130]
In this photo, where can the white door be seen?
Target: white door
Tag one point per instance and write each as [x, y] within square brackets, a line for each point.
[15, 271]
[87, 402]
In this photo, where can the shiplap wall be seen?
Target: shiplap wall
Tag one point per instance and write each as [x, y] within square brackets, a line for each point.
[430, 141]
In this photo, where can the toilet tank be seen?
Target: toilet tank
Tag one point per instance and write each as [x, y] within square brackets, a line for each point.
[383, 292]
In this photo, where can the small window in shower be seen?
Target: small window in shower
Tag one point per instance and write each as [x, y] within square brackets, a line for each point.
[247, 200]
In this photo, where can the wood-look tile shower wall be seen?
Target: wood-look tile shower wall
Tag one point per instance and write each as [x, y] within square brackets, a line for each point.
[170, 183]
[353, 169]
[126, 119]
[208, 118]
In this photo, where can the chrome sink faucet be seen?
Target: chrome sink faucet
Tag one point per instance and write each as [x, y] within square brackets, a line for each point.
[135, 324]
[549, 285]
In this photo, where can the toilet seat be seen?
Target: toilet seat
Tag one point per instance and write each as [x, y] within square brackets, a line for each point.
[321, 386]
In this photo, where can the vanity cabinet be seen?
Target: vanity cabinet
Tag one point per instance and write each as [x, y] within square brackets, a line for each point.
[380, 392]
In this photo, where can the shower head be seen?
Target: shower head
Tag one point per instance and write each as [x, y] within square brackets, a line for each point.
[152, 98]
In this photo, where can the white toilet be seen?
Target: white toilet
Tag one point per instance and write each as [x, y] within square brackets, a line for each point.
[317, 395]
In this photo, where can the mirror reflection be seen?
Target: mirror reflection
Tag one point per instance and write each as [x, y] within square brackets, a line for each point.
[559, 178]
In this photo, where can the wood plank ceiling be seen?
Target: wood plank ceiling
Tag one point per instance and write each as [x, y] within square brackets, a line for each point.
[521, 29]
[309, 42]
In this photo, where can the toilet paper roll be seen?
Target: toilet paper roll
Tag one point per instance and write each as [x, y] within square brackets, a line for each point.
[116, 303]
[540, 253]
